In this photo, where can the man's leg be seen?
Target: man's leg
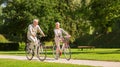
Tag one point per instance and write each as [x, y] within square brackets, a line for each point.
[32, 43]
[36, 45]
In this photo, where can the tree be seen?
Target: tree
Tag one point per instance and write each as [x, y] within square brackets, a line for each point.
[104, 14]
[75, 16]
[18, 14]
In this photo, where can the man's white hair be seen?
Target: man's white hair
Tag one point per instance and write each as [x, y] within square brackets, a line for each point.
[57, 23]
[35, 20]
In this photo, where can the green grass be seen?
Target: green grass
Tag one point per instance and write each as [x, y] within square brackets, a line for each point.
[97, 54]
[25, 63]
[3, 39]
[21, 53]
[87, 54]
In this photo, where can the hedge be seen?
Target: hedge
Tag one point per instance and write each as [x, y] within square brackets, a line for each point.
[9, 46]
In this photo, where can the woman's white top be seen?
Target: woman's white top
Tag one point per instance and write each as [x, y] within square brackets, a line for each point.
[59, 33]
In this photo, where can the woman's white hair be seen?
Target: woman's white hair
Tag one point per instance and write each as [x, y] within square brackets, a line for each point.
[35, 20]
[57, 23]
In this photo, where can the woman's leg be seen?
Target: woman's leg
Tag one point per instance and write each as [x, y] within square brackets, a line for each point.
[57, 43]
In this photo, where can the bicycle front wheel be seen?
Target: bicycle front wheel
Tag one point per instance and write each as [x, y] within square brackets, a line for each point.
[29, 52]
[67, 52]
[41, 52]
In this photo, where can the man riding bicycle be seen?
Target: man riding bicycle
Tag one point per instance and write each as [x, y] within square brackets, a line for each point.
[33, 29]
[59, 36]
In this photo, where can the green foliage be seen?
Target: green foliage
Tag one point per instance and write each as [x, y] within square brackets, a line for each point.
[9, 46]
[104, 14]
[0, 15]
[110, 40]
[78, 17]
[0, 10]
[18, 14]
[22, 46]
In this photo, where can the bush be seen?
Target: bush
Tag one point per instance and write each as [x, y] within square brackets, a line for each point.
[9, 46]
[21, 45]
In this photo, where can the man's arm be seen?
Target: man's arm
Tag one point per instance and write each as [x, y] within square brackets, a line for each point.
[39, 30]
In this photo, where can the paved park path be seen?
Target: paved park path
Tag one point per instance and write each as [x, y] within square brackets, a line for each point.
[79, 62]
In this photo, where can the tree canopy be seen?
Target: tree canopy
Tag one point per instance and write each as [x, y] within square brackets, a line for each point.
[78, 17]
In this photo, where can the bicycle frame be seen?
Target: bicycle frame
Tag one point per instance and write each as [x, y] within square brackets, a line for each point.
[65, 46]
[37, 49]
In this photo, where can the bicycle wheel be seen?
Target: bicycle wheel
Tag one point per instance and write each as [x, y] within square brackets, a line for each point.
[29, 52]
[41, 52]
[67, 52]
[55, 54]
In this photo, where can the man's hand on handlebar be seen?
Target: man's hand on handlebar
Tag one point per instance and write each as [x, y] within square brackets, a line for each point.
[44, 35]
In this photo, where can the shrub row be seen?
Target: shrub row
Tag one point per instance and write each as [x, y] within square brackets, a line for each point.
[9, 46]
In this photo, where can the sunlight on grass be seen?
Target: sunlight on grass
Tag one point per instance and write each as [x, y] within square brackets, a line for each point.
[3, 39]
[97, 54]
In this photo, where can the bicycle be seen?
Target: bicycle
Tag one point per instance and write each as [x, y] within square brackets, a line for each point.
[65, 48]
[40, 50]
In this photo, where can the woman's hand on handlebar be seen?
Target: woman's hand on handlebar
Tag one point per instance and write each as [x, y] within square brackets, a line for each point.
[67, 36]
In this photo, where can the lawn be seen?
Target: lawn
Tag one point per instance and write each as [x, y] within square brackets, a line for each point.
[87, 54]
[21, 63]
[97, 54]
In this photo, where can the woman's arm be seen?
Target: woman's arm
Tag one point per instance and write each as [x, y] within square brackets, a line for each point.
[64, 32]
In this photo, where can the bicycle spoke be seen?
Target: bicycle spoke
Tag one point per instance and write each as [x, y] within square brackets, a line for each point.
[29, 53]
[67, 52]
[41, 52]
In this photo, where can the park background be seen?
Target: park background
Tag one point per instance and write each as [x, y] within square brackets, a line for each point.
[89, 22]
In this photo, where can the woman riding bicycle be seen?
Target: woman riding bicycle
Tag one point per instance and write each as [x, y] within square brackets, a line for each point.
[59, 36]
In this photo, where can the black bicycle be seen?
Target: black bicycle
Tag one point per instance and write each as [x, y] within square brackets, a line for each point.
[65, 48]
[40, 50]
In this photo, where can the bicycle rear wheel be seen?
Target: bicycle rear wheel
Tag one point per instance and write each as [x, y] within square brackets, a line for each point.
[67, 52]
[29, 52]
[41, 52]
[55, 54]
